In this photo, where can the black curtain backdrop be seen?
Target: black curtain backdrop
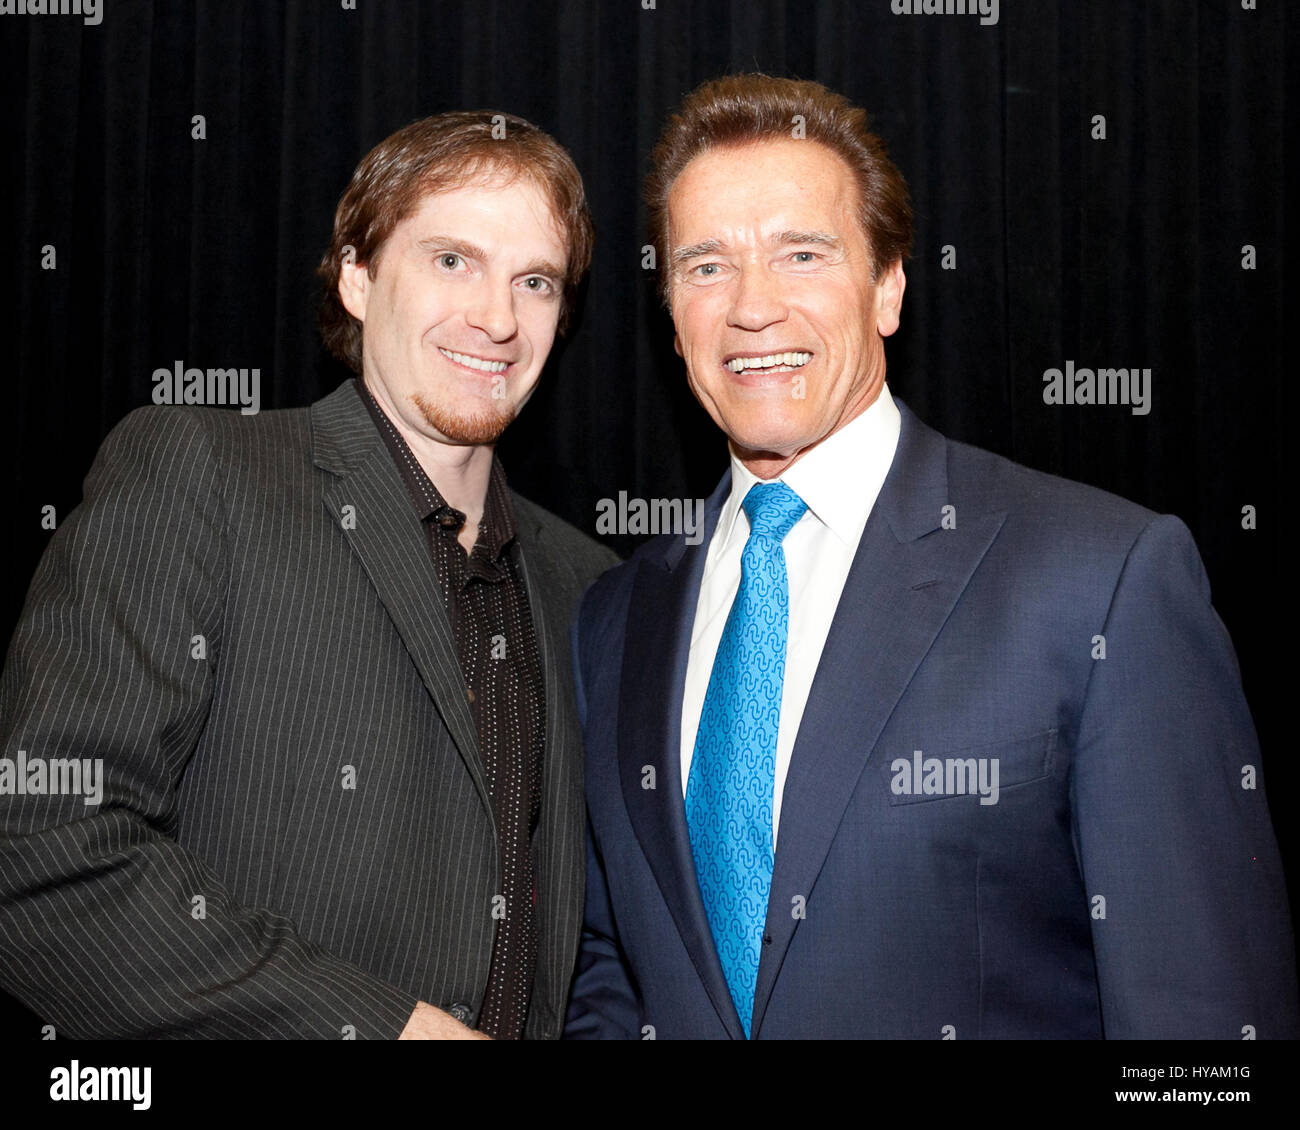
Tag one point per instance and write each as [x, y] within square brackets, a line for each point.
[1125, 251]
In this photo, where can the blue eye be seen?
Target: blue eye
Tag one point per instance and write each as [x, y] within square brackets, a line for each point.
[810, 256]
[545, 286]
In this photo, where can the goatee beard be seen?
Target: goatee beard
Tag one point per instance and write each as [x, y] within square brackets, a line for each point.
[462, 427]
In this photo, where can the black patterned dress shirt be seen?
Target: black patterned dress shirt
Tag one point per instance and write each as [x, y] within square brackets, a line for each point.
[486, 601]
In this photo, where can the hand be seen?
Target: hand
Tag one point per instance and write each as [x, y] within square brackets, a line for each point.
[429, 1023]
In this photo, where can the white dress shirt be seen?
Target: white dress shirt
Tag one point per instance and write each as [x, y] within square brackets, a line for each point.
[839, 479]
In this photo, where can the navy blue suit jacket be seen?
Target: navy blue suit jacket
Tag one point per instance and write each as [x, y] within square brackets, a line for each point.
[1124, 885]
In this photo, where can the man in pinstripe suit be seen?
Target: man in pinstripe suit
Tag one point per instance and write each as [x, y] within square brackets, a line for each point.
[321, 656]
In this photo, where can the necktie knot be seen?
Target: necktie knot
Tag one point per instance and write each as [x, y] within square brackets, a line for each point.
[772, 510]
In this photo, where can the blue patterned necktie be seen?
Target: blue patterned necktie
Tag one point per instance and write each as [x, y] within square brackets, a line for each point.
[733, 768]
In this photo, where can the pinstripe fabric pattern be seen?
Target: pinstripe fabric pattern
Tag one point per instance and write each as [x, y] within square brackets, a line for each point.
[287, 541]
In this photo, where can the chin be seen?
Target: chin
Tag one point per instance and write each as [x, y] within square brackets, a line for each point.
[463, 425]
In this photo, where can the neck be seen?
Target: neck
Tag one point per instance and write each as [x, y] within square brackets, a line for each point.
[767, 465]
[459, 471]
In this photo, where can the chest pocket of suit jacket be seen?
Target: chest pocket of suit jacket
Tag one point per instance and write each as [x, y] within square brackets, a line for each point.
[977, 774]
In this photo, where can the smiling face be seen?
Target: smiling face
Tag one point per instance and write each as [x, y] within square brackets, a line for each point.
[771, 295]
[460, 311]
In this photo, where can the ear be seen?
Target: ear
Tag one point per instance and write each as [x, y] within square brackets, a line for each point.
[354, 287]
[892, 284]
[677, 345]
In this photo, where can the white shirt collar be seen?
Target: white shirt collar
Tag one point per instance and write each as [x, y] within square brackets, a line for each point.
[839, 479]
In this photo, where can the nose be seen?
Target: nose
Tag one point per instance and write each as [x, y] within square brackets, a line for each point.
[493, 310]
[758, 300]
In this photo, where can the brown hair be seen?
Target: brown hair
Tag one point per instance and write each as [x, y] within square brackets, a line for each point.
[443, 152]
[742, 109]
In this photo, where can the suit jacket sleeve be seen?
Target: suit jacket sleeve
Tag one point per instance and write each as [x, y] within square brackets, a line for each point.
[100, 932]
[1195, 941]
[603, 1003]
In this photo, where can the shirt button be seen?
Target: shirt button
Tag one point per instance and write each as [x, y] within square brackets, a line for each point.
[450, 519]
[472, 696]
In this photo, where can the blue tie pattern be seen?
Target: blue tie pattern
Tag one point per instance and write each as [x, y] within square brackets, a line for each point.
[733, 769]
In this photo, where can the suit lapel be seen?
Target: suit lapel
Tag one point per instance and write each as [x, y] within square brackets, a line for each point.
[660, 619]
[906, 577]
[368, 500]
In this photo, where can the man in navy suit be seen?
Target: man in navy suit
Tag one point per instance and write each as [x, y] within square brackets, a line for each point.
[918, 742]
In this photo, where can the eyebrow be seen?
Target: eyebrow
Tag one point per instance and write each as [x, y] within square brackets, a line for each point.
[682, 255]
[469, 250]
[821, 238]
[695, 250]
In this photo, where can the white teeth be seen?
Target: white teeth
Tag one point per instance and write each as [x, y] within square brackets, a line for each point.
[475, 362]
[772, 360]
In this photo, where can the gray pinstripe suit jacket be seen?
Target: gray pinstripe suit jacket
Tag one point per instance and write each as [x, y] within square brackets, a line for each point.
[325, 646]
